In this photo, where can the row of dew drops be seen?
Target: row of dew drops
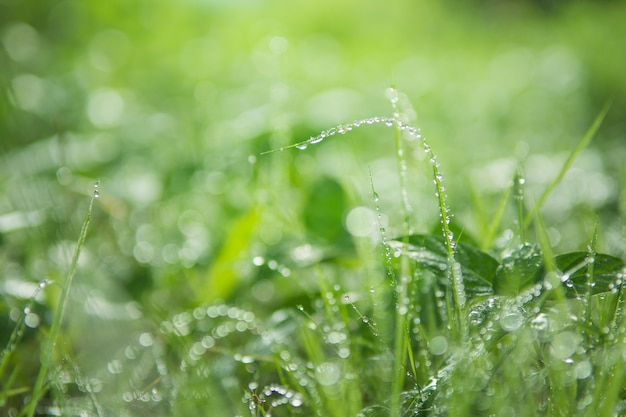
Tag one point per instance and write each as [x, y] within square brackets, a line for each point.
[411, 131]
[209, 325]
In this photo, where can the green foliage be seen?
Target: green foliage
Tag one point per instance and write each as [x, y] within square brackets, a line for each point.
[324, 212]
[458, 316]
[234, 267]
[519, 270]
[478, 268]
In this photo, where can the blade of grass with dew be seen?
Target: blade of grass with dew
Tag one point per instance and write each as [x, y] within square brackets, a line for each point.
[383, 233]
[458, 294]
[591, 253]
[617, 320]
[400, 345]
[518, 194]
[7, 353]
[455, 294]
[456, 300]
[550, 263]
[16, 335]
[46, 357]
[589, 135]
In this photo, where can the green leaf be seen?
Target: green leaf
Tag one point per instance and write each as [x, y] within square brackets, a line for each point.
[608, 271]
[223, 275]
[324, 210]
[519, 270]
[477, 267]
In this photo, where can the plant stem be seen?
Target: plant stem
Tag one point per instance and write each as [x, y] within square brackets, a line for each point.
[591, 132]
[48, 351]
[400, 345]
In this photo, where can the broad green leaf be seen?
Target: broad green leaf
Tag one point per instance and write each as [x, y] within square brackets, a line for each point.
[519, 270]
[608, 273]
[477, 267]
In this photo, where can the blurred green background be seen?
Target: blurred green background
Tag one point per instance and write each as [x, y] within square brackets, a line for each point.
[171, 103]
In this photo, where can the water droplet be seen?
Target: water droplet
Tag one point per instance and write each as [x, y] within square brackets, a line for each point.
[438, 345]
[511, 321]
[336, 337]
[328, 373]
[31, 320]
[145, 339]
[96, 194]
[565, 344]
[114, 367]
[583, 369]
[302, 146]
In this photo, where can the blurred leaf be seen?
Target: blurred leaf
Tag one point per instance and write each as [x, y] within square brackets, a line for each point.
[478, 268]
[518, 270]
[324, 210]
[607, 272]
[525, 266]
[223, 275]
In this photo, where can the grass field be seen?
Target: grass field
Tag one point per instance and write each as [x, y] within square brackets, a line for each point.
[331, 209]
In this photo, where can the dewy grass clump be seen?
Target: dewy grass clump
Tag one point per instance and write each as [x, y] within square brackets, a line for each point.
[436, 327]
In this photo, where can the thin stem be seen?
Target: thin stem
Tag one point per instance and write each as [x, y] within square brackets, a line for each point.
[48, 350]
[400, 342]
[591, 132]
[456, 294]
[518, 185]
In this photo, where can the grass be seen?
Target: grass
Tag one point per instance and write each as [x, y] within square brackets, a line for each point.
[415, 324]
[48, 349]
[223, 277]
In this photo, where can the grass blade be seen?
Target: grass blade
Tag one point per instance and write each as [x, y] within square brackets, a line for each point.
[400, 341]
[518, 195]
[497, 218]
[591, 132]
[46, 357]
